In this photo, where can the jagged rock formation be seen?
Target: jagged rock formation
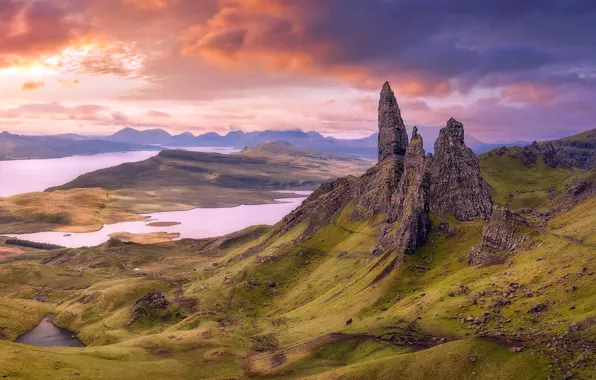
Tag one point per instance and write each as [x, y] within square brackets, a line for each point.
[457, 186]
[549, 154]
[374, 190]
[393, 138]
[321, 206]
[371, 193]
[408, 223]
[499, 238]
[406, 189]
[152, 304]
[529, 154]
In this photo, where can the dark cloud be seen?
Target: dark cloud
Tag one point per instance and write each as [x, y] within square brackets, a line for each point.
[461, 41]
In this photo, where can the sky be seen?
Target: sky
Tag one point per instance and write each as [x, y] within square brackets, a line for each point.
[510, 70]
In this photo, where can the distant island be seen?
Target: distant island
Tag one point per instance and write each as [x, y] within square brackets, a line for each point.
[19, 147]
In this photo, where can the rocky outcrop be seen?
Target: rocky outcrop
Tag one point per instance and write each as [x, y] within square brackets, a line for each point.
[393, 138]
[322, 206]
[578, 153]
[500, 237]
[374, 190]
[370, 194]
[529, 154]
[153, 304]
[549, 154]
[408, 223]
[457, 186]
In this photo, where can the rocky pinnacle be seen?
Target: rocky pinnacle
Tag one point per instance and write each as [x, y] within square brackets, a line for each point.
[393, 138]
[408, 223]
[457, 185]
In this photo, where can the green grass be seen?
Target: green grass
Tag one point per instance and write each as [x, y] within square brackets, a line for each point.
[322, 280]
[523, 186]
[448, 361]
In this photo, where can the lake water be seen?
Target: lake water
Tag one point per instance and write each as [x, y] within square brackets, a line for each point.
[196, 224]
[25, 176]
[46, 334]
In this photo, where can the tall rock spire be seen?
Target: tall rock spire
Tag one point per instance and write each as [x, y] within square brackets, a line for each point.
[408, 223]
[393, 138]
[457, 185]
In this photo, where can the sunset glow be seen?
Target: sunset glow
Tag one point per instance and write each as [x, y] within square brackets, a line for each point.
[221, 65]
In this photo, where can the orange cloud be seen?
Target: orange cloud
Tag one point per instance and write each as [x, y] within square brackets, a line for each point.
[32, 85]
[34, 28]
[272, 34]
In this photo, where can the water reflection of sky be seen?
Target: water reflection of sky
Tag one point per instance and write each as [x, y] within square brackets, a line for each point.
[198, 223]
[26, 176]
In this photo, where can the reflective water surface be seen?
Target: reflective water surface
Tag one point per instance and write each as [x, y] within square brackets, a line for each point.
[25, 176]
[46, 334]
[197, 223]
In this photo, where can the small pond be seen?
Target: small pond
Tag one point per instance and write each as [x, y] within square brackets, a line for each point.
[46, 334]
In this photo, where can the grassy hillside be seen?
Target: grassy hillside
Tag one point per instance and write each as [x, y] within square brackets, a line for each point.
[259, 305]
[77, 210]
[521, 184]
[313, 303]
[269, 166]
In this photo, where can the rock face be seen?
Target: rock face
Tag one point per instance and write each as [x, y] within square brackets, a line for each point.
[408, 223]
[549, 154]
[406, 186]
[371, 194]
[151, 305]
[393, 138]
[578, 151]
[499, 238]
[374, 190]
[457, 186]
[323, 205]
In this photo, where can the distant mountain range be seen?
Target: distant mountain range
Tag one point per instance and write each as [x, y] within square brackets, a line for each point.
[18, 147]
[366, 147]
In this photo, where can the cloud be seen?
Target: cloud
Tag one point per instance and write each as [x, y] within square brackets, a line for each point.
[30, 28]
[506, 67]
[157, 114]
[428, 48]
[32, 85]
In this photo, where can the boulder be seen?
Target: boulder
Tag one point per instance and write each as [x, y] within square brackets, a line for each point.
[500, 237]
[153, 304]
